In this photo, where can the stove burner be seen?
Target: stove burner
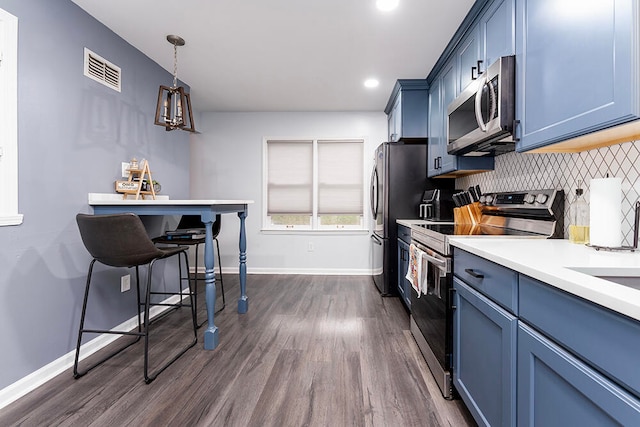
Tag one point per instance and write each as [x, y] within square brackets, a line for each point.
[537, 214]
[474, 230]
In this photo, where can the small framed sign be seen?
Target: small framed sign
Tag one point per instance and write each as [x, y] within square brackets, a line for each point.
[127, 186]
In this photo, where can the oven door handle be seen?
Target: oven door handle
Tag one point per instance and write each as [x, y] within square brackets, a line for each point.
[439, 262]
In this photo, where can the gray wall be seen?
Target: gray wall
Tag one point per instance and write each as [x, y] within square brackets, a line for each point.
[227, 163]
[73, 133]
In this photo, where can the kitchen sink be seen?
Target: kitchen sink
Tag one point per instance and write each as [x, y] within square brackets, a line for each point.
[623, 276]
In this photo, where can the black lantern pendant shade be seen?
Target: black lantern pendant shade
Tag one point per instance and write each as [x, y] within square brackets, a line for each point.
[173, 110]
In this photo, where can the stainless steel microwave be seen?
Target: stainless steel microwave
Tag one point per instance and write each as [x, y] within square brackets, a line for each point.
[480, 120]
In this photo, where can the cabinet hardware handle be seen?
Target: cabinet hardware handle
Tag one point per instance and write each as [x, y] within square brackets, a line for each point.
[479, 63]
[515, 125]
[474, 274]
[473, 69]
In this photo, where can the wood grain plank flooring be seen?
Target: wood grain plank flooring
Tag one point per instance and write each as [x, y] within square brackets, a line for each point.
[311, 351]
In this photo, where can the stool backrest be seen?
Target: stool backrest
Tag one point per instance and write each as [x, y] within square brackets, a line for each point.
[118, 240]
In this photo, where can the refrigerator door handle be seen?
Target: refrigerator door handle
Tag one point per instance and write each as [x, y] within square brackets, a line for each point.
[374, 193]
[376, 239]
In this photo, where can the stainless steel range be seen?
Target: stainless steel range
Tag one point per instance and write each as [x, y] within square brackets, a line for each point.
[528, 214]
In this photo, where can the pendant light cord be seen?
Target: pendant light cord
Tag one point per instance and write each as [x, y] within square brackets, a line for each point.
[175, 65]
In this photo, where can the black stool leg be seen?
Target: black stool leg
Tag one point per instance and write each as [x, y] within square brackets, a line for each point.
[149, 378]
[76, 373]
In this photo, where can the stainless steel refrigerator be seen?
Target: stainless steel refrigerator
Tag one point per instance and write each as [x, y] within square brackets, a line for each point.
[398, 179]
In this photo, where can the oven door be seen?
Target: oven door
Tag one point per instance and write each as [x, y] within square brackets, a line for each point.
[432, 319]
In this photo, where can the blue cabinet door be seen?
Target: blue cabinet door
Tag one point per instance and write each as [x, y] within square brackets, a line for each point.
[449, 161]
[468, 55]
[497, 32]
[404, 287]
[576, 68]
[436, 129]
[484, 357]
[556, 389]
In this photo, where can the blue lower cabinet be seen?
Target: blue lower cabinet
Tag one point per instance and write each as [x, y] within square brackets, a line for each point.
[557, 389]
[404, 287]
[484, 357]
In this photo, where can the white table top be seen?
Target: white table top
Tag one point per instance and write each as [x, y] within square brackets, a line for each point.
[108, 199]
[555, 262]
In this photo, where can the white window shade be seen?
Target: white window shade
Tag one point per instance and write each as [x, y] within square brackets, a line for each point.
[340, 172]
[290, 177]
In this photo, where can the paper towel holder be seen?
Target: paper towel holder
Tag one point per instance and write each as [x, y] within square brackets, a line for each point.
[635, 235]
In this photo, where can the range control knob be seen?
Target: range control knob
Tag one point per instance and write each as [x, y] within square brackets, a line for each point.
[529, 198]
[542, 198]
[483, 199]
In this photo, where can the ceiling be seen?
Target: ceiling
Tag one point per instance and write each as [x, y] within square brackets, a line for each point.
[287, 55]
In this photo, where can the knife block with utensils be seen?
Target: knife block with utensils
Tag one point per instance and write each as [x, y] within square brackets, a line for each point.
[469, 210]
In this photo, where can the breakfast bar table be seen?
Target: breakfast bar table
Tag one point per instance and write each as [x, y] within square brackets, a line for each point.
[207, 209]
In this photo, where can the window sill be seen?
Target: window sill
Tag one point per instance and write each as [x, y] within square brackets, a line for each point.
[332, 232]
[6, 220]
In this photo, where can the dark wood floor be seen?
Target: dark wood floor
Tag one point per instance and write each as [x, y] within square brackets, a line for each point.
[311, 351]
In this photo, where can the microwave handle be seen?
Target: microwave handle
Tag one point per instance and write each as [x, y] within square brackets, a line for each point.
[478, 107]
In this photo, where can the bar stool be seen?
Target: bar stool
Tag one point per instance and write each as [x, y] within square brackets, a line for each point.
[191, 223]
[120, 240]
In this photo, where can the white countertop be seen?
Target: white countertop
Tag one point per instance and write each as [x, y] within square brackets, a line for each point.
[551, 261]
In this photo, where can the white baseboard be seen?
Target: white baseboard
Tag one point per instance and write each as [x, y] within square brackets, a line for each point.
[34, 380]
[306, 271]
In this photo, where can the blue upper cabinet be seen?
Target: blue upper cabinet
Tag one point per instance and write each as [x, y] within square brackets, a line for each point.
[497, 32]
[576, 68]
[393, 119]
[436, 130]
[490, 38]
[440, 163]
[468, 58]
[407, 110]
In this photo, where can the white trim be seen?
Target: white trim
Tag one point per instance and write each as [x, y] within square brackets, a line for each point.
[11, 219]
[291, 271]
[9, 120]
[37, 378]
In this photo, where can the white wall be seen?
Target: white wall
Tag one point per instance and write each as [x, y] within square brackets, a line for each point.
[227, 163]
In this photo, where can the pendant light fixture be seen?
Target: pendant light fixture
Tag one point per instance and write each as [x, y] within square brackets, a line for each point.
[174, 105]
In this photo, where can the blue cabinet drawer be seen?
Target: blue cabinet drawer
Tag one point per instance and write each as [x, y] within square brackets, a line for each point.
[607, 340]
[495, 281]
[404, 233]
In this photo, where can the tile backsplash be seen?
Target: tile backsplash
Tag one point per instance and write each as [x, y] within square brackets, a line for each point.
[518, 171]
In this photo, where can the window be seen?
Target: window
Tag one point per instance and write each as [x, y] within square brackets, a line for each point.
[9, 120]
[314, 184]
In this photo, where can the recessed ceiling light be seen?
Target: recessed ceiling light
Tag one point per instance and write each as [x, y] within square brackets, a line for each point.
[387, 5]
[371, 83]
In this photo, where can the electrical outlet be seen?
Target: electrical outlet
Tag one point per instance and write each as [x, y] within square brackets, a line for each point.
[125, 283]
[310, 247]
[125, 166]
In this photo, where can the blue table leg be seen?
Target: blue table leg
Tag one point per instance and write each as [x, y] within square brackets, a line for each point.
[243, 302]
[211, 334]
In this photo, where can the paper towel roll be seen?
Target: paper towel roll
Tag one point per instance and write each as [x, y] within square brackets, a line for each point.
[605, 210]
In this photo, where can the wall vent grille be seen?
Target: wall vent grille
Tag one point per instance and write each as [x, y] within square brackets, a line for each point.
[101, 70]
